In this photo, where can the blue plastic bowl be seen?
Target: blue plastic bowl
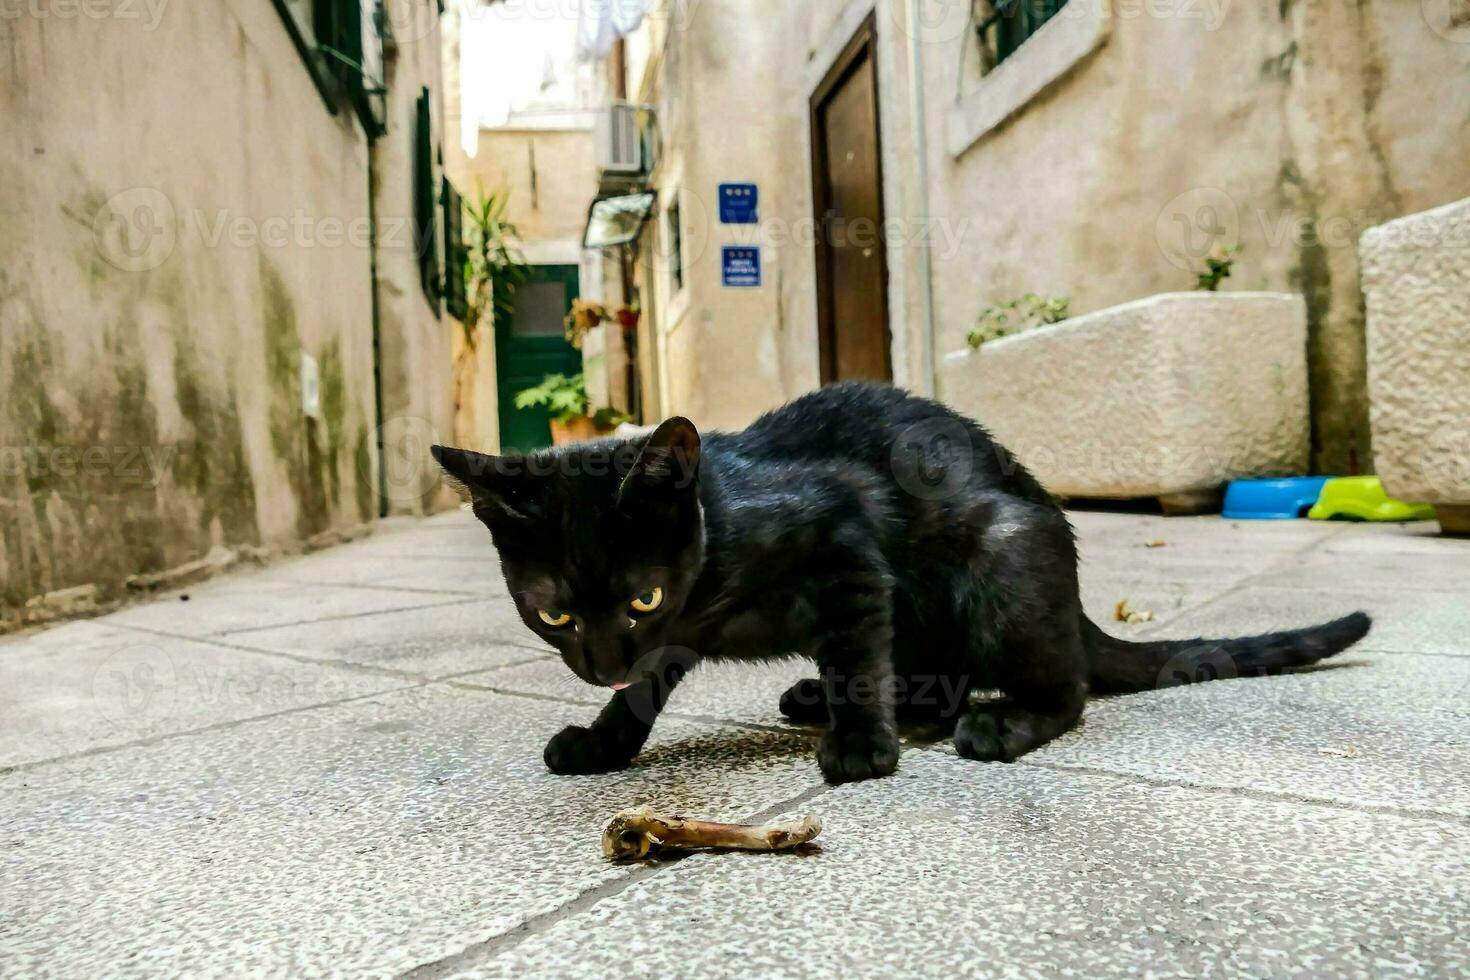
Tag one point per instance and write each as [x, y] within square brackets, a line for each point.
[1272, 500]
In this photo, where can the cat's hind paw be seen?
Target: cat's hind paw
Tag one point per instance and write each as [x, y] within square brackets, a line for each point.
[848, 756]
[805, 702]
[980, 736]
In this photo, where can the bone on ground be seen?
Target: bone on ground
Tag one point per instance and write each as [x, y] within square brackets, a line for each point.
[634, 834]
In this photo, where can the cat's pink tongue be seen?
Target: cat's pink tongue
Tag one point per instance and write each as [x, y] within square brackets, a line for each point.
[617, 687]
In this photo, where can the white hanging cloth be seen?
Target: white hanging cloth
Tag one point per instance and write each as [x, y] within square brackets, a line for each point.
[601, 22]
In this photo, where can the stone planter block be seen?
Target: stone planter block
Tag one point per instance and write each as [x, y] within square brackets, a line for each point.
[1416, 280]
[1170, 396]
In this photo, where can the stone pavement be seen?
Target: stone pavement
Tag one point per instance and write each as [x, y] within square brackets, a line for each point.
[333, 765]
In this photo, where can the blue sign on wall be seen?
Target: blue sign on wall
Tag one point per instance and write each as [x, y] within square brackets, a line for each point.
[740, 266]
[739, 204]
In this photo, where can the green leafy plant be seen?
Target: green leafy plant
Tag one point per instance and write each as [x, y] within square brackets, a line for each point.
[1018, 316]
[1217, 269]
[565, 398]
[494, 266]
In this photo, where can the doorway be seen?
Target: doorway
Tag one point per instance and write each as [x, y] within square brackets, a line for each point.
[847, 178]
[529, 345]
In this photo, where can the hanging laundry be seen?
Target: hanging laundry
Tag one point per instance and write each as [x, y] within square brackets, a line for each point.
[601, 22]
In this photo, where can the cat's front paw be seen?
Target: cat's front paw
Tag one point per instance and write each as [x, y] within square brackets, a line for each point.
[847, 756]
[578, 751]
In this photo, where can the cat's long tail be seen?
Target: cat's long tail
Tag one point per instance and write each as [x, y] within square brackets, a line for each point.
[1119, 666]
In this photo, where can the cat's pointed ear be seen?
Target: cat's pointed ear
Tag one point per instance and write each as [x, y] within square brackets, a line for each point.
[496, 486]
[668, 461]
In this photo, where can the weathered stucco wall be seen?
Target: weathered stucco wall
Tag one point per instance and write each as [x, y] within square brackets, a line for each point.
[182, 219]
[1284, 128]
[1261, 125]
[416, 338]
[551, 179]
[717, 86]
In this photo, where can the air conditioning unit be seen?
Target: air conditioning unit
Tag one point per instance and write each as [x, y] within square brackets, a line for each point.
[619, 141]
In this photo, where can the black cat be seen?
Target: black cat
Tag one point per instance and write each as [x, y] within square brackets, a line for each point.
[887, 538]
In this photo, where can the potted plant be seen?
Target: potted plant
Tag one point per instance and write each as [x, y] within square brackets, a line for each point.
[583, 317]
[565, 399]
[586, 315]
[1018, 316]
[627, 317]
[493, 264]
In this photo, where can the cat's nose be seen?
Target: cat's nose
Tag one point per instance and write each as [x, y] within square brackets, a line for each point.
[615, 677]
[608, 665]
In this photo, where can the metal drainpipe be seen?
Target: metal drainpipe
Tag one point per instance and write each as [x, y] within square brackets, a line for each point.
[377, 332]
[921, 152]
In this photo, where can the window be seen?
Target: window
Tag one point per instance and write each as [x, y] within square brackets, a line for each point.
[341, 43]
[425, 203]
[354, 51]
[1011, 22]
[676, 247]
[540, 306]
[1040, 43]
[304, 22]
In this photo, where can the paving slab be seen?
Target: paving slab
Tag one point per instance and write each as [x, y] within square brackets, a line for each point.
[1104, 529]
[455, 574]
[1411, 537]
[363, 838]
[477, 575]
[456, 534]
[1371, 562]
[107, 686]
[250, 602]
[1377, 730]
[1166, 600]
[1403, 621]
[955, 868]
[429, 641]
[742, 693]
[268, 779]
[1169, 566]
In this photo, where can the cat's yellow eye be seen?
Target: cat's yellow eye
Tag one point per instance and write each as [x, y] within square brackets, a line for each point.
[556, 620]
[648, 601]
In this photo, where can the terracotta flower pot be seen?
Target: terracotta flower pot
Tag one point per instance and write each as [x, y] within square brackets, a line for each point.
[578, 429]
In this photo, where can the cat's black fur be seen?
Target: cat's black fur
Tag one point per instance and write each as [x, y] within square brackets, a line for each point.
[887, 538]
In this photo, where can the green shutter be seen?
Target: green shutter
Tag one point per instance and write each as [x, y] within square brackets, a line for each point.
[424, 204]
[456, 300]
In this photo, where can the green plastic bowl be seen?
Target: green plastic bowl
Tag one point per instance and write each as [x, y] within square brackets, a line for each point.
[1362, 498]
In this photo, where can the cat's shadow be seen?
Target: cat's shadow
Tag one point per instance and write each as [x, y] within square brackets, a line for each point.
[751, 749]
[727, 750]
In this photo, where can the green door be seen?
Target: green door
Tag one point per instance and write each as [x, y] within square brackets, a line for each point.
[531, 345]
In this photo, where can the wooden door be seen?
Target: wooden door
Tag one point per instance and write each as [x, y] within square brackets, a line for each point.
[530, 345]
[847, 173]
